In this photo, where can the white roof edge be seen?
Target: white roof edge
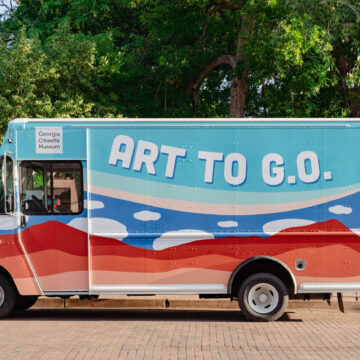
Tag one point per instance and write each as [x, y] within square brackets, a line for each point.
[119, 120]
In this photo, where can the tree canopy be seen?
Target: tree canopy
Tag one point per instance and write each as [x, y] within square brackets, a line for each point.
[193, 58]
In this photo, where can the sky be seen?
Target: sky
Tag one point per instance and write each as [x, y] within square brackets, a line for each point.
[2, 8]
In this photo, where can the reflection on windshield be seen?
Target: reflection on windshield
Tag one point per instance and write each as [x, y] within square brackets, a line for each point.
[2, 200]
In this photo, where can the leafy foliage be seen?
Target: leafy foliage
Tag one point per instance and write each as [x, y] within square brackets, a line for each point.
[341, 21]
[158, 58]
[55, 79]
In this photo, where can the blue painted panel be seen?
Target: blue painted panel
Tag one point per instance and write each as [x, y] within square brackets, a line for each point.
[317, 167]
[74, 143]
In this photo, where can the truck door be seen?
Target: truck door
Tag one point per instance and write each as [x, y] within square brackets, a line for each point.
[12, 257]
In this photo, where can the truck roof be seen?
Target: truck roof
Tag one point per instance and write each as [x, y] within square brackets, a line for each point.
[184, 120]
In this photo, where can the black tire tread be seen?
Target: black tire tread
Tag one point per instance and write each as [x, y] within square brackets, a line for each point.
[248, 312]
[10, 294]
[24, 302]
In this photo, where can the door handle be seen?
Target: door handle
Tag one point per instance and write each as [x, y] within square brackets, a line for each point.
[23, 221]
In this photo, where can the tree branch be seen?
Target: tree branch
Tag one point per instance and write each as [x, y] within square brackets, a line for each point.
[217, 7]
[204, 31]
[193, 88]
[226, 4]
[246, 28]
[352, 7]
[221, 60]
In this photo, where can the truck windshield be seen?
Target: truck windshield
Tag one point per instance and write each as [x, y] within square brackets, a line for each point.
[6, 197]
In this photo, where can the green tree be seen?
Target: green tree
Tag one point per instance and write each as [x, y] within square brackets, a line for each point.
[55, 79]
[341, 21]
[217, 50]
[203, 58]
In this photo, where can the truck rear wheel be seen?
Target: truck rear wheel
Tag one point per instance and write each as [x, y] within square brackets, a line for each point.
[263, 297]
[7, 296]
[24, 302]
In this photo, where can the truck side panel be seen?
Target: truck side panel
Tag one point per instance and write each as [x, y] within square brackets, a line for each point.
[177, 208]
[194, 220]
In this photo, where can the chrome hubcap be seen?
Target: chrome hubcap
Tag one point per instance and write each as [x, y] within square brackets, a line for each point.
[2, 296]
[263, 298]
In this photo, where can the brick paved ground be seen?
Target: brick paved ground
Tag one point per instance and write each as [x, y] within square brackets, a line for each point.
[170, 334]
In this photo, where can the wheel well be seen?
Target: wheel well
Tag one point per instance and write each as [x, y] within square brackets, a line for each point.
[264, 265]
[4, 272]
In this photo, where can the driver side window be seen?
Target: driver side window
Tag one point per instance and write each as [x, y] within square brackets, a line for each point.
[51, 187]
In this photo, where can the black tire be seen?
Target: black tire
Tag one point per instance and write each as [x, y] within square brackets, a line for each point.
[263, 297]
[8, 296]
[24, 302]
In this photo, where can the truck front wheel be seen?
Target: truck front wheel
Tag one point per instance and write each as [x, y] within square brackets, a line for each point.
[7, 296]
[263, 297]
[24, 302]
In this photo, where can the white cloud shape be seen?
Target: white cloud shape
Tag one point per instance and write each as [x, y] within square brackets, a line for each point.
[228, 224]
[102, 227]
[79, 224]
[93, 204]
[276, 226]
[340, 210]
[147, 215]
[8, 222]
[11, 222]
[179, 237]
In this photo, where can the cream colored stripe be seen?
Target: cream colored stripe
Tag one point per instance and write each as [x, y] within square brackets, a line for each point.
[218, 209]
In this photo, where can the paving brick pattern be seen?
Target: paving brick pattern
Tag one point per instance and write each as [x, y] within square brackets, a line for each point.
[178, 334]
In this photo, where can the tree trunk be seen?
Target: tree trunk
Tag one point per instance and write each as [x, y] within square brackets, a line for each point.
[238, 93]
[354, 110]
[351, 96]
[354, 96]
